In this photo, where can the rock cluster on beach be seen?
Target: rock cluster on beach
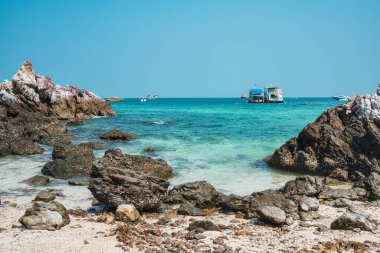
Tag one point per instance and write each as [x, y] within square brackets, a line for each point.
[32, 107]
[343, 143]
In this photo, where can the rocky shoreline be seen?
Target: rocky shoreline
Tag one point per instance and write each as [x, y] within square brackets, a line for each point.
[133, 209]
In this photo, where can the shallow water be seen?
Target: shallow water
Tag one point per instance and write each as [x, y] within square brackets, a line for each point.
[220, 140]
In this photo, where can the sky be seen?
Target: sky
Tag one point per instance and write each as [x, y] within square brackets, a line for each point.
[196, 48]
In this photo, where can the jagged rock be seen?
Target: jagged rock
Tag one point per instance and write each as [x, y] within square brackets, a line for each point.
[92, 145]
[127, 213]
[351, 194]
[56, 140]
[45, 216]
[175, 199]
[124, 179]
[31, 107]
[37, 180]
[350, 220]
[206, 225]
[154, 167]
[345, 137]
[44, 196]
[69, 161]
[115, 135]
[189, 209]
[237, 203]
[303, 185]
[272, 214]
[372, 184]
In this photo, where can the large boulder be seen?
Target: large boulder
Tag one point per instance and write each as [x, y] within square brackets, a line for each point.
[193, 191]
[258, 200]
[123, 179]
[45, 216]
[69, 161]
[345, 137]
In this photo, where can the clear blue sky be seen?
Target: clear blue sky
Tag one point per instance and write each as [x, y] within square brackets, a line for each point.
[196, 48]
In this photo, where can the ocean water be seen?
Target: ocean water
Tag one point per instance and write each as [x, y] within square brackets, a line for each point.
[220, 140]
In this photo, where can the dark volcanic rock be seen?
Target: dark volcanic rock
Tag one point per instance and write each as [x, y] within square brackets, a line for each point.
[154, 167]
[350, 220]
[116, 135]
[45, 216]
[205, 225]
[303, 185]
[69, 161]
[37, 180]
[192, 191]
[31, 108]
[189, 209]
[345, 137]
[124, 179]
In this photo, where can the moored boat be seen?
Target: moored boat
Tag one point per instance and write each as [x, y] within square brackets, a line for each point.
[341, 98]
[243, 96]
[271, 94]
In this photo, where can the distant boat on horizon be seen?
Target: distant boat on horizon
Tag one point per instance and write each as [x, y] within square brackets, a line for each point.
[143, 99]
[341, 98]
[114, 99]
[243, 96]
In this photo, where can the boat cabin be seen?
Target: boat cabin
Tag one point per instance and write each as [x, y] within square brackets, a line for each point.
[266, 95]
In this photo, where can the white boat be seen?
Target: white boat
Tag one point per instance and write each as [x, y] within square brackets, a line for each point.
[143, 99]
[156, 96]
[341, 98]
[149, 97]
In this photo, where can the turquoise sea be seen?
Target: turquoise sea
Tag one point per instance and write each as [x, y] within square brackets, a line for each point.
[220, 140]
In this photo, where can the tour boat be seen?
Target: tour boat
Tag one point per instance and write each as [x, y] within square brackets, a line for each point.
[143, 99]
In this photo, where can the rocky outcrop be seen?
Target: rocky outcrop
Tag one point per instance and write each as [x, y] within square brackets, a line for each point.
[124, 179]
[346, 137]
[31, 107]
[69, 161]
[117, 135]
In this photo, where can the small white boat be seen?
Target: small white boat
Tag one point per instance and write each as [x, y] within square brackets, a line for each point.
[143, 99]
[156, 96]
[341, 98]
